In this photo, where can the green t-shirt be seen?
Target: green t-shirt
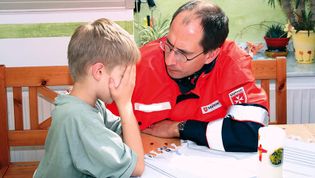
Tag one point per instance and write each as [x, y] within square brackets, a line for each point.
[84, 141]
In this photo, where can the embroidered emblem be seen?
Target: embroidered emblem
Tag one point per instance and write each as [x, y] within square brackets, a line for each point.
[238, 96]
[211, 107]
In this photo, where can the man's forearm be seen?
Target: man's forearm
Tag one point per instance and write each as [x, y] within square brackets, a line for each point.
[225, 135]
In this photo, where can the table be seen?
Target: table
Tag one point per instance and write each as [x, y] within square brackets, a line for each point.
[151, 142]
[305, 132]
[299, 131]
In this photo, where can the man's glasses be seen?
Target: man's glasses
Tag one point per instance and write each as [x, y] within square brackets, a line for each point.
[180, 57]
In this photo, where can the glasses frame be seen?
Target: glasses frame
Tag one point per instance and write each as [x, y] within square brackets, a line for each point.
[172, 48]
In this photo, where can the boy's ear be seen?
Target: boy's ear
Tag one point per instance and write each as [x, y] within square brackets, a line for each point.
[98, 70]
[211, 55]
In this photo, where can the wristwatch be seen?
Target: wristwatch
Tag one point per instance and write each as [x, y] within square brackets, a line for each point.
[181, 127]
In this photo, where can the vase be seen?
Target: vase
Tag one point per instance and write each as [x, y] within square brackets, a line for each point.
[277, 43]
[304, 47]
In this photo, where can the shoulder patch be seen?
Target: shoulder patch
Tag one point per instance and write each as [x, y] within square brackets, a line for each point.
[238, 96]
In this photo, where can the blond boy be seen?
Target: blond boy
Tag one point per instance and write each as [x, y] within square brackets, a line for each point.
[85, 139]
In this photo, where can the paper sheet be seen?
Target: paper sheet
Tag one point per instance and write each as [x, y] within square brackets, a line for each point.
[190, 160]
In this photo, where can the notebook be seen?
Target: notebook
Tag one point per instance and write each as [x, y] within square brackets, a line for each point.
[190, 160]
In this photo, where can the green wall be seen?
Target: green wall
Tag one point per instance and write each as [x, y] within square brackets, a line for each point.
[241, 14]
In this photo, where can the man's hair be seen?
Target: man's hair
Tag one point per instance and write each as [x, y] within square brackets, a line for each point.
[100, 41]
[214, 22]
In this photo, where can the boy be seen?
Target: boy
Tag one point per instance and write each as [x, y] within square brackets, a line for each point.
[84, 138]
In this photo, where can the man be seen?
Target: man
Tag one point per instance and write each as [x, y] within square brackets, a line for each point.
[196, 85]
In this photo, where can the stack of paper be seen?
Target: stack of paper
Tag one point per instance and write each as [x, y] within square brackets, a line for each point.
[193, 161]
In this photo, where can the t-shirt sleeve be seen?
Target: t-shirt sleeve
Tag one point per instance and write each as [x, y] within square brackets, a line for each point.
[98, 151]
[111, 121]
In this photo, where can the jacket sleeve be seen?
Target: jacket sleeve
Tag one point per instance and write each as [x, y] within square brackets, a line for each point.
[238, 130]
[231, 134]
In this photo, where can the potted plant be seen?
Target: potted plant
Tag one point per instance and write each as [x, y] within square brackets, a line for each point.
[276, 40]
[275, 37]
[156, 30]
[301, 16]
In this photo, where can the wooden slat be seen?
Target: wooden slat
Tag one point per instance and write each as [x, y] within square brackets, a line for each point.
[265, 84]
[21, 170]
[27, 137]
[33, 103]
[38, 76]
[47, 93]
[45, 124]
[281, 94]
[3, 170]
[18, 108]
[4, 146]
[260, 68]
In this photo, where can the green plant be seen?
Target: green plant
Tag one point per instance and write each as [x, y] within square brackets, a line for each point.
[304, 22]
[276, 31]
[300, 13]
[273, 29]
[147, 33]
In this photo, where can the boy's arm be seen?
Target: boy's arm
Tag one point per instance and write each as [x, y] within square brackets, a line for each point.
[131, 133]
[131, 136]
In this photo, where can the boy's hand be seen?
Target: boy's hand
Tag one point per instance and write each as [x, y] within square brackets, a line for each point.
[123, 92]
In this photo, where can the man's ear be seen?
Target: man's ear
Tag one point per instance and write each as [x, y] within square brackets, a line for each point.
[211, 55]
[98, 70]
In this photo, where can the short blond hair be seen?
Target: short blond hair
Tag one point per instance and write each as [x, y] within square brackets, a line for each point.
[100, 41]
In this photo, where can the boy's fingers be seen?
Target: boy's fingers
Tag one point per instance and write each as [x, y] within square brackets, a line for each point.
[111, 84]
[129, 74]
[126, 75]
[133, 74]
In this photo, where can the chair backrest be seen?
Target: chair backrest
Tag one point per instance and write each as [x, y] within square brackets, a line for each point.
[274, 69]
[38, 83]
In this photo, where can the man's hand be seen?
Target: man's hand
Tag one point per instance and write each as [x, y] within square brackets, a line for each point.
[165, 128]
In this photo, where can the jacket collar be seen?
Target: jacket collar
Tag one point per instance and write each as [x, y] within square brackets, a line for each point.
[188, 83]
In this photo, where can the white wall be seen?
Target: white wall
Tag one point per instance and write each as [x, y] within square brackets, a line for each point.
[34, 51]
[72, 15]
[39, 11]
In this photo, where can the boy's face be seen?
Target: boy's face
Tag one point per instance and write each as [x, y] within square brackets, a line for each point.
[116, 74]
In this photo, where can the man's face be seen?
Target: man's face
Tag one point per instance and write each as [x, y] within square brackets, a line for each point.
[184, 39]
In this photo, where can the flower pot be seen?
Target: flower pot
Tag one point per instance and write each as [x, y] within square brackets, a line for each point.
[304, 47]
[276, 43]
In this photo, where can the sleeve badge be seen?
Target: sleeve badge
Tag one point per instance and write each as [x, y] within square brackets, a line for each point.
[238, 96]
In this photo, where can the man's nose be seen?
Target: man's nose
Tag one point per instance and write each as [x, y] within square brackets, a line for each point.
[170, 59]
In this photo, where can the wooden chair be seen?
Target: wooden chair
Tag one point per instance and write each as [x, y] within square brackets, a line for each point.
[35, 81]
[274, 69]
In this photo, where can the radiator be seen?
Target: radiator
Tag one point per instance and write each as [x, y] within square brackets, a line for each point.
[301, 105]
[300, 102]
